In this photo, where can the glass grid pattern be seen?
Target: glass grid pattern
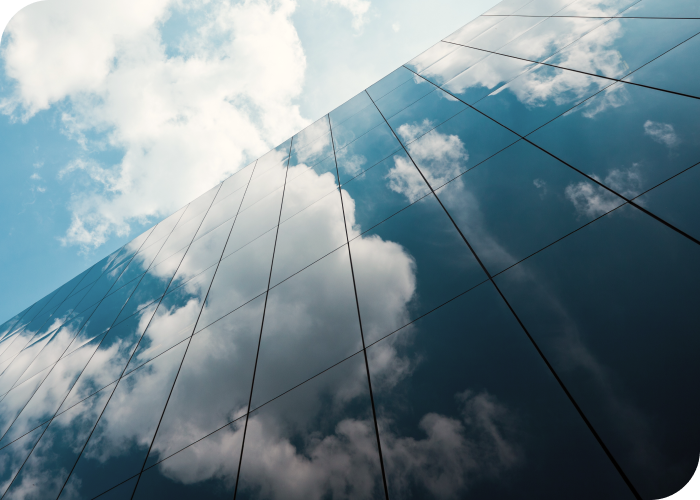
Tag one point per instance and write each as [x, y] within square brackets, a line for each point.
[477, 278]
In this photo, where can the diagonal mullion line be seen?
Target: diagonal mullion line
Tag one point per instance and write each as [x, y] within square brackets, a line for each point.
[262, 322]
[68, 393]
[590, 178]
[67, 347]
[586, 72]
[359, 316]
[530, 337]
[194, 330]
[137, 344]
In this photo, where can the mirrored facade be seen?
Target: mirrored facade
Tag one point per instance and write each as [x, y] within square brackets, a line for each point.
[479, 278]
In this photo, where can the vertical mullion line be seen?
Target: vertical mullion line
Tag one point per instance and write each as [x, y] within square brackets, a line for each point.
[522, 325]
[359, 316]
[49, 341]
[262, 322]
[68, 346]
[194, 329]
[121, 376]
[88, 362]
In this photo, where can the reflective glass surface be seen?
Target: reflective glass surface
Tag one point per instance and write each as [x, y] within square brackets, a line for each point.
[475, 279]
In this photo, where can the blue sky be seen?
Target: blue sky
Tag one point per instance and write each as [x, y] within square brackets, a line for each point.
[115, 114]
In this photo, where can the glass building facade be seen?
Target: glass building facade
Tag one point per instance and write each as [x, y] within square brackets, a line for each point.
[475, 279]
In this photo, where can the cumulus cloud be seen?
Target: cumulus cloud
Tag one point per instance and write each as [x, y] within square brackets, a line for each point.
[663, 133]
[185, 113]
[591, 200]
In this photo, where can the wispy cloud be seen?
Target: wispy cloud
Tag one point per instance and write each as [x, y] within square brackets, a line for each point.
[663, 133]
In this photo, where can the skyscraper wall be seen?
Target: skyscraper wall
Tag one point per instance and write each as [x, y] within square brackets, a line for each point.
[476, 279]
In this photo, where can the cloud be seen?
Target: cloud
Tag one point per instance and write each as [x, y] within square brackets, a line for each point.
[185, 114]
[663, 133]
[591, 200]
[358, 9]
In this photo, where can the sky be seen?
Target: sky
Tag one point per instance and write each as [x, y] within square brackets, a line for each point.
[115, 114]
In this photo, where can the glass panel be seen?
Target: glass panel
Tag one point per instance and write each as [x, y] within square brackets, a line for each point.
[506, 7]
[310, 324]
[540, 95]
[310, 134]
[14, 456]
[629, 137]
[429, 112]
[47, 468]
[677, 70]
[455, 424]
[198, 207]
[14, 371]
[116, 451]
[549, 37]
[202, 254]
[676, 201]
[544, 7]
[393, 80]
[452, 65]
[315, 442]
[265, 186]
[312, 155]
[623, 45]
[349, 108]
[110, 359]
[366, 152]
[164, 228]
[434, 54]
[404, 96]
[447, 151]
[663, 8]
[602, 304]
[221, 213]
[273, 158]
[598, 7]
[13, 403]
[206, 469]
[102, 286]
[408, 265]
[235, 183]
[356, 126]
[316, 228]
[241, 276]
[473, 29]
[52, 392]
[8, 326]
[489, 77]
[504, 32]
[213, 386]
[519, 201]
[323, 175]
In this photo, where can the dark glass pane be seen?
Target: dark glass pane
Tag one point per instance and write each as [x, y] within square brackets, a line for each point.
[116, 451]
[676, 201]
[206, 469]
[408, 265]
[14, 455]
[623, 45]
[393, 80]
[310, 324]
[677, 70]
[356, 126]
[52, 392]
[540, 95]
[213, 386]
[366, 152]
[631, 138]
[467, 409]
[315, 230]
[14, 401]
[519, 201]
[110, 359]
[613, 307]
[48, 466]
[403, 96]
[317, 441]
[123, 491]
[8, 326]
[241, 276]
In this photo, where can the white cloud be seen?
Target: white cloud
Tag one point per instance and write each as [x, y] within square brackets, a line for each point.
[396, 26]
[183, 121]
[35, 176]
[591, 200]
[663, 133]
